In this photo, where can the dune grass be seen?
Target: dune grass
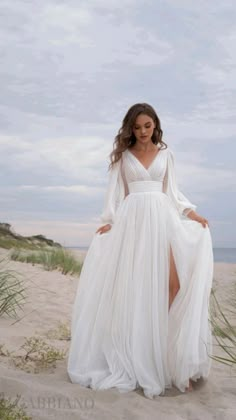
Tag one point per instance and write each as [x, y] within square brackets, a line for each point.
[223, 323]
[51, 259]
[12, 291]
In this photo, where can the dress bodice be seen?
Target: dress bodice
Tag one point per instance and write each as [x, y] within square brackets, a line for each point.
[134, 170]
[129, 169]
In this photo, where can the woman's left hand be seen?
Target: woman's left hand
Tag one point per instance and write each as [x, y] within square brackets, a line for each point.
[203, 221]
[194, 216]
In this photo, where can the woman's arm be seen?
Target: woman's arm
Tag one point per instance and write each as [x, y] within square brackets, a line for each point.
[170, 187]
[115, 193]
[195, 216]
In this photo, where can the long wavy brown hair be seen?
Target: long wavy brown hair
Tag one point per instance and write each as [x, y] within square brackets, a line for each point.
[126, 138]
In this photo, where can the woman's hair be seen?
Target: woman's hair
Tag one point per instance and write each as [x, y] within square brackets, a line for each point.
[126, 138]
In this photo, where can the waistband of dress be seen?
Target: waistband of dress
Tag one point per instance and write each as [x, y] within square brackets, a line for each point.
[144, 186]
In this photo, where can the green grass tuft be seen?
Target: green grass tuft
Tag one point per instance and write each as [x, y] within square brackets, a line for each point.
[61, 332]
[12, 292]
[10, 410]
[223, 330]
[35, 355]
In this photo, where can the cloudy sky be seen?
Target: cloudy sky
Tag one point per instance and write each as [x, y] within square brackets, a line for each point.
[69, 72]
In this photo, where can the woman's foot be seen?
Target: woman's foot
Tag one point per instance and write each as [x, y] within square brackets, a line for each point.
[190, 387]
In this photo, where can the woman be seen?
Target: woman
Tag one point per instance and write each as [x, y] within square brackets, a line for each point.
[140, 316]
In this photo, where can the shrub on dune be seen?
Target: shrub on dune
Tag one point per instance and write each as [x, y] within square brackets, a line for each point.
[12, 410]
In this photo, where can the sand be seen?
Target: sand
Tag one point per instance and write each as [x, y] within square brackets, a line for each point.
[49, 394]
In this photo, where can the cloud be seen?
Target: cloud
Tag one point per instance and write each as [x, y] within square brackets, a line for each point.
[53, 159]
[70, 71]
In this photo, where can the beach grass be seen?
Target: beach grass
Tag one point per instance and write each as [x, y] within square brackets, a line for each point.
[223, 321]
[51, 259]
[12, 291]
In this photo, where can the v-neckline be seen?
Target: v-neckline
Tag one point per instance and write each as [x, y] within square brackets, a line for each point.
[153, 160]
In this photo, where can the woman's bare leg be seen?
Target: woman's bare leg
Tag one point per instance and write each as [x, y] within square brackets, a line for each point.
[190, 387]
[174, 287]
[173, 280]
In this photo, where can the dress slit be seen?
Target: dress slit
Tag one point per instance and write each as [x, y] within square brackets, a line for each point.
[174, 284]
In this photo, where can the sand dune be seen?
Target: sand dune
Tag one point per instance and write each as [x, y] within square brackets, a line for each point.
[49, 393]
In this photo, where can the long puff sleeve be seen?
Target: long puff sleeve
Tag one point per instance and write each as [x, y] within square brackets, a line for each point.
[115, 193]
[170, 187]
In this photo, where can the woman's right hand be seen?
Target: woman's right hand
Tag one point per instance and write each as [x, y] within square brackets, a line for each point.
[104, 228]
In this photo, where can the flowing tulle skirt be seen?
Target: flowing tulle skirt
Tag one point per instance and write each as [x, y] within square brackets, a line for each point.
[123, 333]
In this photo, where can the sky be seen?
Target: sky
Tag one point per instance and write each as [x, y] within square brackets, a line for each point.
[69, 72]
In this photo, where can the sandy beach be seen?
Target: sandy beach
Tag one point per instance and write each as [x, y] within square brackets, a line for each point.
[48, 393]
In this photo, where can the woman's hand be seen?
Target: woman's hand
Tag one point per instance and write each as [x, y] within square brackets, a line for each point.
[194, 216]
[104, 228]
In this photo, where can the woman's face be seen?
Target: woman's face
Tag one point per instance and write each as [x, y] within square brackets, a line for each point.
[143, 128]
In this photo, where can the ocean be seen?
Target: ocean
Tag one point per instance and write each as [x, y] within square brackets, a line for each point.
[227, 255]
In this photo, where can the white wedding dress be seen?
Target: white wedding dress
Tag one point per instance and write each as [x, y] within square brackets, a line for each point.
[123, 333]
